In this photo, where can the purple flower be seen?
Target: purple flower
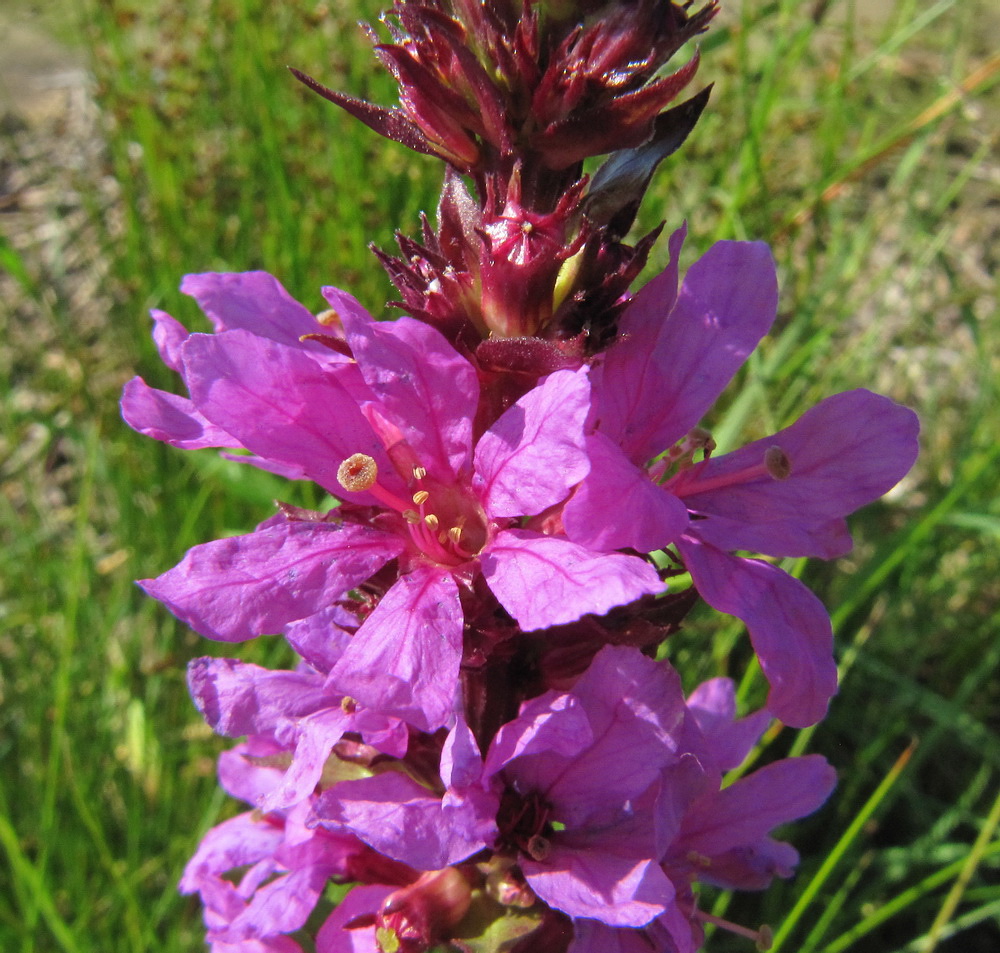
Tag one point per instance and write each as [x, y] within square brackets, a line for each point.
[722, 836]
[390, 431]
[607, 798]
[574, 790]
[284, 864]
[584, 778]
[785, 495]
[296, 710]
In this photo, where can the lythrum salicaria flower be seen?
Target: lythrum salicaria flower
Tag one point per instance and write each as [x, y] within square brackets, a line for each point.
[284, 865]
[721, 835]
[654, 482]
[606, 800]
[381, 415]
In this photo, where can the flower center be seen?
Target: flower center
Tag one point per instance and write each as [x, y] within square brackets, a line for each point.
[523, 822]
[447, 523]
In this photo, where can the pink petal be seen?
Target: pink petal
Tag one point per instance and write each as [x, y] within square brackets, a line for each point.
[283, 905]
[845, 452]
[551, 727]
[620, 392]
[290, 471]
[635, 708]
[271, 944]
[543, 581]
[251, 769]
[317, 734]
[425, 387]
[168, 336]
[238, 842]
[725, 306]
[404, 660]
[749, 809]
[335, 936]
[617, 891]
[534, 454]
[752, 867]
[792, 537]
[592, 936]
[346, 306]
[789, 627]
[281, 404]
[170, 418]
[713, 704]
[238, 698]
[320, 638]
[617, 506]
[461, 761]
[403, 820]
[253, 301]
[236, 588]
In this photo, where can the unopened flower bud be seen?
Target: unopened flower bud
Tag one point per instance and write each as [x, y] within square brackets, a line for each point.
[414, 919]
[506, 884]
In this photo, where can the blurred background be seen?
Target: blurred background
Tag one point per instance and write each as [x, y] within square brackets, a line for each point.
[143, 140]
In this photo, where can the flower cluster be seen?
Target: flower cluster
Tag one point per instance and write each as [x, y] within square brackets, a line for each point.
[481, 735]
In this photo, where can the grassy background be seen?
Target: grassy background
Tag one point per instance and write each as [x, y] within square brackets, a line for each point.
[860, 143]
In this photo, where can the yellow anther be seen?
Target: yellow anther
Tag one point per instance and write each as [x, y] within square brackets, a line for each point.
[455, 534]
[432, 521]
[777, 463]
[328, 318]
[411, 516]
[421, 497]
[348, 705]
[419, 473]
[357, 473]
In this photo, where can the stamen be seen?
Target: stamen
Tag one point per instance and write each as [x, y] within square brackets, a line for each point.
[358, 473]
[348, 705]
[688, 481]
[699, 860]
[421, 497]
[700, 438]
[432, 522]
[763, 938]
[538, 847]
[419, 473]
[455, 534]
[328, 318]
[411, 516]
[777, 463]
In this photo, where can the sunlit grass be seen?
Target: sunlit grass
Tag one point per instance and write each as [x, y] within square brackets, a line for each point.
[857, 147]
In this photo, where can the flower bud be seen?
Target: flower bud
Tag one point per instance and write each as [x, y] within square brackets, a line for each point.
[413, 919]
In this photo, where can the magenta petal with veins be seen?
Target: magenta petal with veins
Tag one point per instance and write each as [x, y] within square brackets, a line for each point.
[785, 495]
